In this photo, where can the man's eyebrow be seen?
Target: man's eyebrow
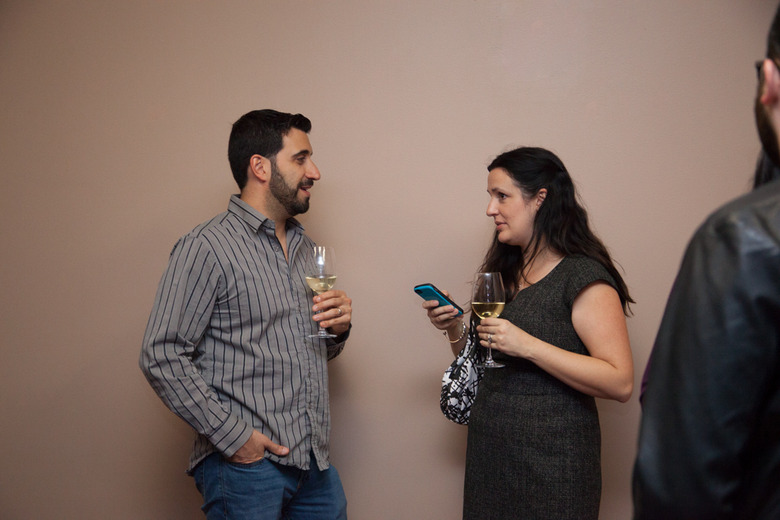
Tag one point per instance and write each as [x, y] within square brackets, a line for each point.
[303, 153]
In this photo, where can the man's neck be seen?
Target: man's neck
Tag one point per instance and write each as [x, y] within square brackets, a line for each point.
[266, 204]
[271, 209]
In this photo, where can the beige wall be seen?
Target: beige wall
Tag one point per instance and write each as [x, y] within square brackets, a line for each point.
[115, 118]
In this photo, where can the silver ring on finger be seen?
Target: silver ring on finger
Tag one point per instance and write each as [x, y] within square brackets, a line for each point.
[340, 311]
[490, 339]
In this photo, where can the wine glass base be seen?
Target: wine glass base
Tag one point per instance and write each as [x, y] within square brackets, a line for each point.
[491, 364]
[326, 335]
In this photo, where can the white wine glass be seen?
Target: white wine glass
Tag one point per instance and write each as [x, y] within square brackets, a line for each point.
[487, 301]
[321, 276]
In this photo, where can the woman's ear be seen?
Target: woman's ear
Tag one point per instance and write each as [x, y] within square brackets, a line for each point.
[540, 196]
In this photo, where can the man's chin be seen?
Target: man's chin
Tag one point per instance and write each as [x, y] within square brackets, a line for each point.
[300, 207]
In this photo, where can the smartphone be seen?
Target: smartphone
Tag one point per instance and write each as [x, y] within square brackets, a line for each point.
[428, 291]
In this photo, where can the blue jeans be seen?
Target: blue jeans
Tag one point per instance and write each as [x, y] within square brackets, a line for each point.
[265, 490]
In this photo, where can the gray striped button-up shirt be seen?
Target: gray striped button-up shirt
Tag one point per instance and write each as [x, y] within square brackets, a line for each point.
[226, 346]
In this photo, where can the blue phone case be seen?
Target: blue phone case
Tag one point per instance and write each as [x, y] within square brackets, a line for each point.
[429, 292]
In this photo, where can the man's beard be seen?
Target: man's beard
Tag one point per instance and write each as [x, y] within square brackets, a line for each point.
[287, 195]
[766, 132]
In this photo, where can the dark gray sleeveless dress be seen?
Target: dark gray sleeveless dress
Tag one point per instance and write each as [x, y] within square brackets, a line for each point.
[534, 443]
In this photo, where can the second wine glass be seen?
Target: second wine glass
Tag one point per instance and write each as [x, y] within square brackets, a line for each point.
[321, 277]
[487, 301]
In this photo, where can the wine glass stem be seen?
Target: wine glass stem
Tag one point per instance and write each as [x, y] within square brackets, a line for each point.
[320, 330]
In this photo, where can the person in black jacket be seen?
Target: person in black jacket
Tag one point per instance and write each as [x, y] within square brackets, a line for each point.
[709, 441]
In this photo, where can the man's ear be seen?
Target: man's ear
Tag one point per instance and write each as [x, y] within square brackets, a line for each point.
[770, 88]
[259, 168]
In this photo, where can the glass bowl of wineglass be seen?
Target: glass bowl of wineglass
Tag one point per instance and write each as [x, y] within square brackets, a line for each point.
[321, 277]
[487, 301]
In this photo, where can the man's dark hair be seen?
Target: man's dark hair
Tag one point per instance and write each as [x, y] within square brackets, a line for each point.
[773, 39]
[260, 132]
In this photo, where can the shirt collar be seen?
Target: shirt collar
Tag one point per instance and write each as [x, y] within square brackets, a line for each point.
[254, 218]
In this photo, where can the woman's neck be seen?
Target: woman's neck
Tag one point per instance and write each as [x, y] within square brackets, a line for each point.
[538, 265]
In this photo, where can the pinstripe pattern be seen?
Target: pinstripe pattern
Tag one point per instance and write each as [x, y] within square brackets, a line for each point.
[226, 348]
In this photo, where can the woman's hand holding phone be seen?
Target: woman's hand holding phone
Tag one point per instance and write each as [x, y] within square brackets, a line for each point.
[442, 311]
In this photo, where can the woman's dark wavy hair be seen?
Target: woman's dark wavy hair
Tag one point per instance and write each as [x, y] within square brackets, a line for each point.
[561, 222]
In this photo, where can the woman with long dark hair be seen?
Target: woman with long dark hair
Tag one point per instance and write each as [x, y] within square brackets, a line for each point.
[534, 440]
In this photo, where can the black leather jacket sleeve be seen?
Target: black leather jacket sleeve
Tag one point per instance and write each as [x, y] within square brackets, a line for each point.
[709, 445]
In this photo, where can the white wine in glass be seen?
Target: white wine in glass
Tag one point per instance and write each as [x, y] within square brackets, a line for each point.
[487, 301]
[321, 277]
[488, 310]
[320, 284]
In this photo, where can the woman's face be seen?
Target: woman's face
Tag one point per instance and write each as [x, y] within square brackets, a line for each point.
[512, 212]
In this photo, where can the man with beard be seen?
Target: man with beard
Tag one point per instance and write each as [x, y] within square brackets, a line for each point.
[227, 345]
[709, 441]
